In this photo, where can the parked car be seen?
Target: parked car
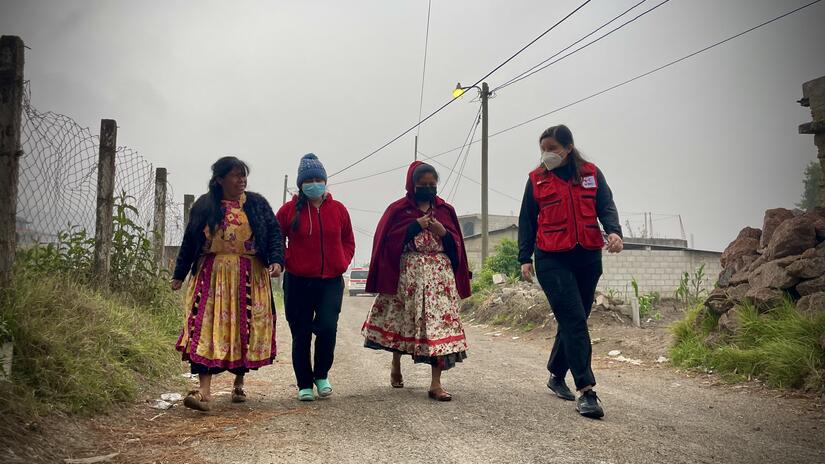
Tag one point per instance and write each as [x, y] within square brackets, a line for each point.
[357, 281]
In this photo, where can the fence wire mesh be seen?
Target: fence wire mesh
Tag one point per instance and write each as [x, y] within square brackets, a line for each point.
[57, 189]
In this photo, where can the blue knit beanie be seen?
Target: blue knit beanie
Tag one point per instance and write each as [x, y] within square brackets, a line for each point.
[309, 168]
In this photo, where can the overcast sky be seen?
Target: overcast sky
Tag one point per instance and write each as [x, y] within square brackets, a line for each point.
[713, 138]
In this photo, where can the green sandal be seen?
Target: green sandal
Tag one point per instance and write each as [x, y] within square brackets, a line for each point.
[306, 394]
[324, 388]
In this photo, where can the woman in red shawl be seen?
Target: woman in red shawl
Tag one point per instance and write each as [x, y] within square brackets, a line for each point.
[419, 269]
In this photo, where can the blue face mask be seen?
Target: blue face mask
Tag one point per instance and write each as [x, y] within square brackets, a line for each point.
[314, 190]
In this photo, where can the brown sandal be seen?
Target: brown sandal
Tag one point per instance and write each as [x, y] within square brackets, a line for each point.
[194, 400]
[396, 381]
[238, 395]
[440, 394]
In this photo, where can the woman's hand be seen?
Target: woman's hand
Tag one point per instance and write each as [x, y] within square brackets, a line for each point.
[275, 270]
[425, 221]
[176, 284]
[437, 228]
[614, 243]
[527, 272]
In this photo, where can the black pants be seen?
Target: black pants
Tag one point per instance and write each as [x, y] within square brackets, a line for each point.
[312, 307]
[569, 280]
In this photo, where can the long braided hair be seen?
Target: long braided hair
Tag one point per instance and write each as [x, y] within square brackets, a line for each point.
[220, 169]
[299, 205]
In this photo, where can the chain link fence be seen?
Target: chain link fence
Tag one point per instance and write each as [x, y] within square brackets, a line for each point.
[57, 189]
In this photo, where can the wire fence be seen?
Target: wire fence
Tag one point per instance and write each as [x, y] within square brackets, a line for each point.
[57, 189]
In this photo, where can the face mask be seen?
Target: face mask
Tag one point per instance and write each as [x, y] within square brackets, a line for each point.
[425, 193]
[551, 160]
[314, 190]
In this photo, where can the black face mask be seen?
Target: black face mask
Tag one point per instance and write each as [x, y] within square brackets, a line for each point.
[425, 193]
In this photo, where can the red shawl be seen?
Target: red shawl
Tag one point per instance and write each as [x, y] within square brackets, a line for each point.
[388, 243]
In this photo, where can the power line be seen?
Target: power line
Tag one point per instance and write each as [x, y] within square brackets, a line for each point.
[424, 70]
[537, 68]
[394, 139]
[640, 76]
[470, 135]
[463, 164]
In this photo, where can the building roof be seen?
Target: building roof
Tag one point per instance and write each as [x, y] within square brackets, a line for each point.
[496, 231]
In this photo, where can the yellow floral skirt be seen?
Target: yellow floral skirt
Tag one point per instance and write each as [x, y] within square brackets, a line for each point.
[230, 323]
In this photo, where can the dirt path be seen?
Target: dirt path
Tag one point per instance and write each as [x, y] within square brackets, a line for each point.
[502, 412]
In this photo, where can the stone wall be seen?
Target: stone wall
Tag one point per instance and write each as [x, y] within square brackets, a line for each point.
[656, 270]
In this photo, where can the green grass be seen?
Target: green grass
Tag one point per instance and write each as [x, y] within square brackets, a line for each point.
[780, 347]
[78, 350]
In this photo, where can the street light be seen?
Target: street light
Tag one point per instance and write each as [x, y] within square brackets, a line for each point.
[484, 92]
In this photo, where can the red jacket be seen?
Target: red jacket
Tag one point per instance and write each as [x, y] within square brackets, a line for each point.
[322, 246]
[567, 211]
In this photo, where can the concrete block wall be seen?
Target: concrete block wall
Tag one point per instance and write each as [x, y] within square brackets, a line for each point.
[656, 270]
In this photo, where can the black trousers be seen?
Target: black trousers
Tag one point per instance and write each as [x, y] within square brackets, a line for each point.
[312, 307]
[569, 280]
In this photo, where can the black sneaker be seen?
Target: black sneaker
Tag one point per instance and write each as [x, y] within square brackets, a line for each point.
[559, 387]
[588, 405]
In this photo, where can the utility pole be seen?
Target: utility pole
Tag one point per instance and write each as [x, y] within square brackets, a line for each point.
[286, 179]
[485, 220]
[415, 156]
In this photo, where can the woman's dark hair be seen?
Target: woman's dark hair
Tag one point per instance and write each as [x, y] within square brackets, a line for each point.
[423, 169]
[564, 136]
[220, 169]
[299, 205]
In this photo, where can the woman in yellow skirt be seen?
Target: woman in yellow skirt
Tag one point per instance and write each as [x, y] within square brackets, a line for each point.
[231, 247]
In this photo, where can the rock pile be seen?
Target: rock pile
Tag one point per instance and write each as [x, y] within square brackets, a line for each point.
[762, 266]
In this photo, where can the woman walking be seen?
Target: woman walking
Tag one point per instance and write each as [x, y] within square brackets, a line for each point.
[319, 248]
[564, 201]
[419, 269]
[231, 246]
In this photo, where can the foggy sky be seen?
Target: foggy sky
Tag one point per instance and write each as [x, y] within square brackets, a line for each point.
[713, 138]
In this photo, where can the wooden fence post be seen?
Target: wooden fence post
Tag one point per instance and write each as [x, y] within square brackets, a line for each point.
[11, 106]
[159, 230]
[188, 201]
[104, 227]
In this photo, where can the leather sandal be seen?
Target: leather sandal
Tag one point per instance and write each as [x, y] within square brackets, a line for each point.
[238, 395]
[440, 394]
[194, 400]
[396, 381]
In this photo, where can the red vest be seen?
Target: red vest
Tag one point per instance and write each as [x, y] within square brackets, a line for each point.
[567, 211]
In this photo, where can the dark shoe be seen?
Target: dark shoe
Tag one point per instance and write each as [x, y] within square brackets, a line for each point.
[559, 387]
[588, 405]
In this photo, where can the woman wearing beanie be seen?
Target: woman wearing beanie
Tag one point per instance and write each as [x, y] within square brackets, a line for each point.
[231, 247]
[319, 247]
[419, 268]
[564, 200]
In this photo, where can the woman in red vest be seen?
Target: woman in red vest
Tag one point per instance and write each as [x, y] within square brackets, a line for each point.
[419, 269]
[564, 201]
[319, 248]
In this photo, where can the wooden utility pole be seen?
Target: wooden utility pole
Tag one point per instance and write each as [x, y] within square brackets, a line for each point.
[813, 96]
[159, 230]
[11, 106]
[286, 179]
[485, 220]
[104, 227]
[188, 201]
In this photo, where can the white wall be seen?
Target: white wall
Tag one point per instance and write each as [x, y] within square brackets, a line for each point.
[656, 270]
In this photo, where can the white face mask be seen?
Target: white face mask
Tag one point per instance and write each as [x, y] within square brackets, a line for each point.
[551, 160]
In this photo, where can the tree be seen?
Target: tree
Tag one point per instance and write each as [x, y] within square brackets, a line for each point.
[504, 259]
[811, 182]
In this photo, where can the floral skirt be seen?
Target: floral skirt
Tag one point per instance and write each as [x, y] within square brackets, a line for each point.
[422, 319]
[230, 321]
